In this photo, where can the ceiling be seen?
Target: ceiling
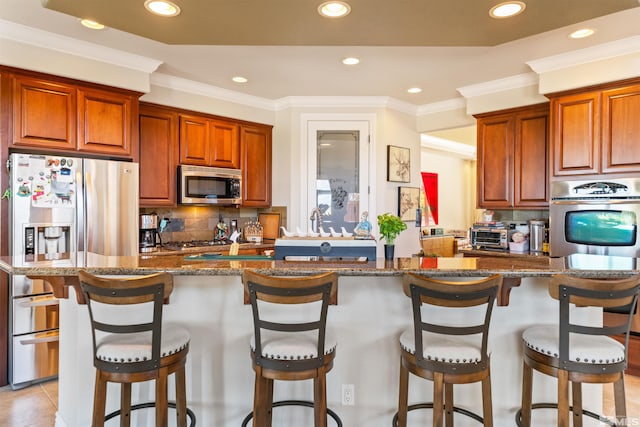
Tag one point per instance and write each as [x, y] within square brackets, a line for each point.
[433, 44]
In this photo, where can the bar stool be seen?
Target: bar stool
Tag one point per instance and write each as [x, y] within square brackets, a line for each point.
[589, 356]
[444, 353]
[129, 353]
[295, 349]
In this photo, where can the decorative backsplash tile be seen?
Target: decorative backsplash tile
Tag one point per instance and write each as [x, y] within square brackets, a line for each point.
[198, 222]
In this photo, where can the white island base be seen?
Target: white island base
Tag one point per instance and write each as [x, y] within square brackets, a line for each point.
[369, 317]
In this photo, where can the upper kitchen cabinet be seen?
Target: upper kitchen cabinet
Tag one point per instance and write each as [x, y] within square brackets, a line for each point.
[595, 131]
[256, 165]
[53, 113]
[105, 122]
[512, 158]
[44, 114]
[158, 155]
[209, 142]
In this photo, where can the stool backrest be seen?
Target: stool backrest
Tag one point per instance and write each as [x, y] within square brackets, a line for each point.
[448, 293]
[148, 291]
[289, 290]
[603, 293]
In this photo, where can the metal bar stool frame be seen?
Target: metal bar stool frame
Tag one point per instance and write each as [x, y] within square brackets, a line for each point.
[154, 289]
[582, 292]
[290, 290]
[471, 293]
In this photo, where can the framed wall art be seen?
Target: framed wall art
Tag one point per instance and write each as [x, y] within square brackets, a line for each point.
[408, 202]
[398, 164]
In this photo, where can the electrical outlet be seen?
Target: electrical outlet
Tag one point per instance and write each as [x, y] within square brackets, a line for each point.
[348, 395]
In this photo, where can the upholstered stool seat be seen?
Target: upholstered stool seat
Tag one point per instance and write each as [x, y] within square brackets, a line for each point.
[290, 345]
[141, 350]
[447, 351]
[587, 349]
[136, 347]
[575, 352]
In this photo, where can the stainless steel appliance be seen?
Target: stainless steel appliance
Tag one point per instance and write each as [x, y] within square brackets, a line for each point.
[199, 185]
[60, 205]
[149, 233]
[595, 217]
[536, 235]
[489, 238]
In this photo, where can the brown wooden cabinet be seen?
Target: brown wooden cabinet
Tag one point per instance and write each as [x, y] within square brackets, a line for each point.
[595, 130]
[256, 165]
[512, 158]
[51, 113]
[44, 114]
[208, 142]
[106, 122]
[158, 156]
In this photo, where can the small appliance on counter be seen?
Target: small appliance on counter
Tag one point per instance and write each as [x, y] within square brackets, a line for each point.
[355, 250]
[536, 235]
[149, 233]
[489, 235]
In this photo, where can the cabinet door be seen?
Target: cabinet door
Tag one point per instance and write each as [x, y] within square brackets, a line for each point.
[621, 130]
[530, 162]
[495, 161]
[158, 156]
[575, 133]
[224, 144]
[256, 166]
[105, 122]
[194, 140]
[44, 114]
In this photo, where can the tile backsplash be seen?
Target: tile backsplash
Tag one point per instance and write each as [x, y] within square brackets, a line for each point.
[198, 222]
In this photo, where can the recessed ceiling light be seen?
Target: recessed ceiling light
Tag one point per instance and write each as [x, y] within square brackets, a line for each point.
[239, 79]
[351, 61]
[162, 7]
[507, 9]
[334, 9]
[414, 90]
[582, 33]
[92, 24]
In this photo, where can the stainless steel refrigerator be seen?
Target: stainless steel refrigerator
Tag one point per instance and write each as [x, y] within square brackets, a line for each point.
[60, 205]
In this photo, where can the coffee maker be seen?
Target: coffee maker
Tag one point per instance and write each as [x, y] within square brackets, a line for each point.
[149, 234]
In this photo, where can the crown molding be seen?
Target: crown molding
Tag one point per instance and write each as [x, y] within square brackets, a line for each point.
[499, 85]
[190, 86]
[465, 151]
[442, 106]
[599, 52]
[35, 37]
[345, 102]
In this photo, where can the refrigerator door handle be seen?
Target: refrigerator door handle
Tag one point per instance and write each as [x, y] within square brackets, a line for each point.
[40, 303]
[32, 341]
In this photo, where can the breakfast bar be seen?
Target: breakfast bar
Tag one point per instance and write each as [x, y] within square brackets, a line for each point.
[370, 314]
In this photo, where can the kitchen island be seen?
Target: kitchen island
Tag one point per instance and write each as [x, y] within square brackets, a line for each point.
[371, 312]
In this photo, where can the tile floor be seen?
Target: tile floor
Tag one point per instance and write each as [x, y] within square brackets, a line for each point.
[35, 406]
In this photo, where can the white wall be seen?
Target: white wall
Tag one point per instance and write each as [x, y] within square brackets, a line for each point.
[456, 187]
[389, 128]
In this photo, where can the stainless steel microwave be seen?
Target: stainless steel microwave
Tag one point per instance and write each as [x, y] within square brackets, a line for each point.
[202, 185]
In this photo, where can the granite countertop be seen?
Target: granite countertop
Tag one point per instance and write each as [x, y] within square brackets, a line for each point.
[515, 267]
[162, 251]
[503, 253]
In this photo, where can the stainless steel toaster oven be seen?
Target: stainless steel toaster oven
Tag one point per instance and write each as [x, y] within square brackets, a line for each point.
[489, 238]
